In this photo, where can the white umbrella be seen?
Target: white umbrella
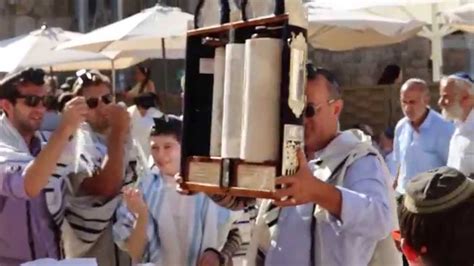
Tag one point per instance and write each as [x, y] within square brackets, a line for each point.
[37, 49]
[339, 30]
[426, 11]
[461, 18]
[162, 29]
[141, 31]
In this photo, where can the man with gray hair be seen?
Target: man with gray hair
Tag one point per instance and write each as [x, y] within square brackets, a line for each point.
[421, 141]
[457, 102]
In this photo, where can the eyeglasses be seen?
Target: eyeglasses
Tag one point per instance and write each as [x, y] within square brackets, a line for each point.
[93, 102]
[33, 100]
[312, 109]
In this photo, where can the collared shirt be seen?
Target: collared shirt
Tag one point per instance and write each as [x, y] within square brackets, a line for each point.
[417, 152]
[365, 219]
[461, 150]
[19, 238]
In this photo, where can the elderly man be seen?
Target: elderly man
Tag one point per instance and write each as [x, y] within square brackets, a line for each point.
[457, 102]
[337, 208]
[422, 137]
[29, 168]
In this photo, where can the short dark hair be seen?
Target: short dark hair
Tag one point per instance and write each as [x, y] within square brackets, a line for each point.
[9, 85]
[447, 235]
[86, 78]
[63, 99]
[438, 213]
[335, 90]
[167, 125]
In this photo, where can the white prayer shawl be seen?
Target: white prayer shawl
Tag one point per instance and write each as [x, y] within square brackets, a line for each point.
[15, 154]
[180, 227]
[88, 216]
[354, 146]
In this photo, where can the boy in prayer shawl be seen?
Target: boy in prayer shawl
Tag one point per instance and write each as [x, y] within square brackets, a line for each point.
[156, 224]
[436, 219]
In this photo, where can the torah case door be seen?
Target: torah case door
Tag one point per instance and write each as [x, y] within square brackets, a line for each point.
[243, 104]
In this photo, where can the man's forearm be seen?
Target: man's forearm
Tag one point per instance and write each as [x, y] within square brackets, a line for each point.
[37, 174]
[136, 242]
[329, 198]
[109, 180]
[232, 245]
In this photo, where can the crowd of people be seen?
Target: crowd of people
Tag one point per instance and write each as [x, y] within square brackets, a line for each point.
[86, 177]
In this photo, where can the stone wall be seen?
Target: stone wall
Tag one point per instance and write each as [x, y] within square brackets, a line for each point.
[22, 16]
[363, 67]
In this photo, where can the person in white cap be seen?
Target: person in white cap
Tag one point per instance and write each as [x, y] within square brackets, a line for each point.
[457, 103]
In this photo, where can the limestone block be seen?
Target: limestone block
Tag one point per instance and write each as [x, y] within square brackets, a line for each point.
[23, 24]
[5, 27]
[44, 8]
[24, 7]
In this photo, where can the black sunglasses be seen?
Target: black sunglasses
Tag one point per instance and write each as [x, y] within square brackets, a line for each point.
[93, 102]
[33, 100]
[311, 109]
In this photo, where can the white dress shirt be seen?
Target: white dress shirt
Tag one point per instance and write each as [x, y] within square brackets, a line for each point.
[461, 149]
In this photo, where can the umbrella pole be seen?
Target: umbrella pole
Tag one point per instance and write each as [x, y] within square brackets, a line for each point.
[113, 81]
[436, 44]
[163, 50]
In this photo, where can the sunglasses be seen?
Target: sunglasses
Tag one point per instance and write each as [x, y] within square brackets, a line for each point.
[93, 102]
[312, 109]
[33, 100]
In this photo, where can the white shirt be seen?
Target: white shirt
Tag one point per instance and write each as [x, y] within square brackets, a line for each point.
[461, 149]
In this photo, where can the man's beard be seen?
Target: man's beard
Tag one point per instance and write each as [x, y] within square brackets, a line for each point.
[453, 112]
[25, 126]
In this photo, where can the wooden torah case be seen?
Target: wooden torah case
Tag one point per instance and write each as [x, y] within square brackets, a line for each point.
[246, 173]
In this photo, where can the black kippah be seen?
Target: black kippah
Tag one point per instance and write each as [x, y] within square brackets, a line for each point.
[167, 125]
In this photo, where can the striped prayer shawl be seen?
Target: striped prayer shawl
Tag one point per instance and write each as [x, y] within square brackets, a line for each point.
[202, 225]
[15, 154]
[88, 216]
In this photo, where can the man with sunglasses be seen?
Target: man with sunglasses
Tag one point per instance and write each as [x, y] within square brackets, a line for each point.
[336, 210]
[27, 229]
[96, 187]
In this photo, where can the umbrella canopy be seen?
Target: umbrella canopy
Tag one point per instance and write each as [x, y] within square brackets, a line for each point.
[142, 31]
[339, 30]
[426, 11]
[461, 18]
[37, 49]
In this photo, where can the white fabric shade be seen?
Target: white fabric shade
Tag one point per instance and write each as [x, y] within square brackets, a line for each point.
[142, 31]
[37, 49]
[461, 18]
[426, 11]
[339, 30]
